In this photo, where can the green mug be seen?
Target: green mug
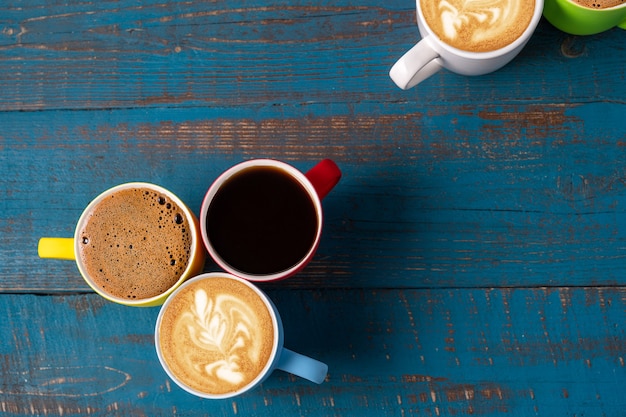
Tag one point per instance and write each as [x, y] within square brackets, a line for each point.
[573, 18]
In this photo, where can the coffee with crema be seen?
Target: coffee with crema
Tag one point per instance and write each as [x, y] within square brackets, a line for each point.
[135, 243]
[216, 335]
[599, 4]
[478, 25]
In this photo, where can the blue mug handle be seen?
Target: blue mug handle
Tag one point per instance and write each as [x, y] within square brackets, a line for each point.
[302, 366]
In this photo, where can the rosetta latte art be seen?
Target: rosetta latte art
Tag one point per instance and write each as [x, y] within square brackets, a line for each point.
[478, 25]
[224, 327]
[487, 16]
[216, 335]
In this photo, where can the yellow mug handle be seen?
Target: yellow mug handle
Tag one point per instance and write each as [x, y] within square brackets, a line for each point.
[56, 248]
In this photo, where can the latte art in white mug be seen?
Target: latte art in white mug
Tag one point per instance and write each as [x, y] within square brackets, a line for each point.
[224, 326]
[478, 25]
[216, 335]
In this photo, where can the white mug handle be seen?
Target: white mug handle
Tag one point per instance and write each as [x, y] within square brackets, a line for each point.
[417, 64]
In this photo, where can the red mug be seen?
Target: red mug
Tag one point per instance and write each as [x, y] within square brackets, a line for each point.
[261, 220]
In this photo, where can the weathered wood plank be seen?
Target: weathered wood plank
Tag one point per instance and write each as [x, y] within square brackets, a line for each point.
[521, 352]
[498, 180]
[497, 195]
[513, 180]
[108, 54]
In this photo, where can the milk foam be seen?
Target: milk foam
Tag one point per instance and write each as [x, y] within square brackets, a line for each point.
[478, 25]
[216, 335]
[224, 325]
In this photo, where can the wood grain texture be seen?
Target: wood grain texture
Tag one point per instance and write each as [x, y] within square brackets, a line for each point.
[487, 352]
[473, 256]
[515, 178]
[488, 197]
[114, 54]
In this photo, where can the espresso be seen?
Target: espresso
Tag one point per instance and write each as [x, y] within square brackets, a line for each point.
[135, 243]
[478, 25]
[262, 221]
[216, 335]
[599, 4]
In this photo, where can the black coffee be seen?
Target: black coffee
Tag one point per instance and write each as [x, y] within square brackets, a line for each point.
[262, 221]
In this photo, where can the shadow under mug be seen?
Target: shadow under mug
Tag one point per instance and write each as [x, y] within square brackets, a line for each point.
[575, 19]
[223, 328]
[69, 248]
[431, 54]
[255, 240]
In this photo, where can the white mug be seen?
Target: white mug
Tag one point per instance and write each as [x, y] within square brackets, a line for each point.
[431, 54]
[224, 330]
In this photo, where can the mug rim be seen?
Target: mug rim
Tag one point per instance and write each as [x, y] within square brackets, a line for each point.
[276, 344]
[194, 247]
[520, 41]
[229, 173]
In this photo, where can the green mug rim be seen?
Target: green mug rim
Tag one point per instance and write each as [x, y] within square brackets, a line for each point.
[576, 19]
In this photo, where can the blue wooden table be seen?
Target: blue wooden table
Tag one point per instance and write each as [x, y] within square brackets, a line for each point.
[473, 260]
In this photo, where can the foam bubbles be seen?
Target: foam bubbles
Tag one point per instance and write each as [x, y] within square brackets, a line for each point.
[133, 245]
[600, 4]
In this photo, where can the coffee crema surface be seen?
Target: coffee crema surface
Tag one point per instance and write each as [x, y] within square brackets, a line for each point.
[216, 335]
[599, 4]
[478, 25]
[135, 243]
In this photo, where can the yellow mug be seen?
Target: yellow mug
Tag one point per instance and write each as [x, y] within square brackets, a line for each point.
[134, 244]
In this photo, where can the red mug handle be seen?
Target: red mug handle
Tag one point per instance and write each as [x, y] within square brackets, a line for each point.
[324, 176]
